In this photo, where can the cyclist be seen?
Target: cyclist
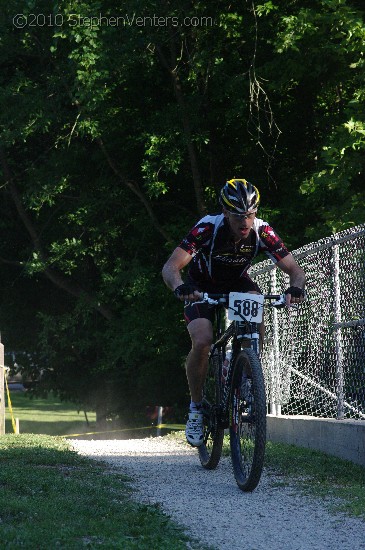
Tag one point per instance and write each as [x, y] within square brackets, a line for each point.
[221, 249]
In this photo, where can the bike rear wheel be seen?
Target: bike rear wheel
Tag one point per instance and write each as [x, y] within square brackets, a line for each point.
[211, 449]
[248, 420]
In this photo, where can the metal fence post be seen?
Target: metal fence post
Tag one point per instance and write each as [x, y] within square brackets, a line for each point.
[275, 407]
[337, 332]
[2, 390]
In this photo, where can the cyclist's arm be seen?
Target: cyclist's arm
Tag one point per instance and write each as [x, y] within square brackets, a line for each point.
[171, 271]
[296, 275]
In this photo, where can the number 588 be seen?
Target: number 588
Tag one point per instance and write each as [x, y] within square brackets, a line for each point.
[248, 308]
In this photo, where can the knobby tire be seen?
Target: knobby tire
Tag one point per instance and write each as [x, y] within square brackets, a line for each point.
[211, 449]
[248, 420]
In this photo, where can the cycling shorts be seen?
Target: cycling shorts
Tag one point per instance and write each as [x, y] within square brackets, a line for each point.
[198, 310]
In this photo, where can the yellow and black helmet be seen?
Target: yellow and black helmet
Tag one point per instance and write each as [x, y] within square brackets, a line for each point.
[239, 196]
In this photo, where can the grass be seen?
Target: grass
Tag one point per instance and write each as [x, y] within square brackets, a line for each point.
[53, 498]
[48, 416]
[317, 473]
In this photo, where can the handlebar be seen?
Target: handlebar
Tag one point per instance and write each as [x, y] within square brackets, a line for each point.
[216, 299]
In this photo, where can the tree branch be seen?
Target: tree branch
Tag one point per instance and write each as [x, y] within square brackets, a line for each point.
[134, 187]
[11, 262]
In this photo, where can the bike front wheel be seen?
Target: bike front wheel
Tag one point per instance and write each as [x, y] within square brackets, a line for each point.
[248, 420]
[211, 449]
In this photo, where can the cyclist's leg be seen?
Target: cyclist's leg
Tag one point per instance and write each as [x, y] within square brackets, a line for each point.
[201, 334]
[199, 320]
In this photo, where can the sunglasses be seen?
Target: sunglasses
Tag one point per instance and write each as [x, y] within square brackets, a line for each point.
[247, 216]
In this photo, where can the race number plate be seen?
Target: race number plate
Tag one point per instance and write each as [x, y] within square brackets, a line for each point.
[245, 306]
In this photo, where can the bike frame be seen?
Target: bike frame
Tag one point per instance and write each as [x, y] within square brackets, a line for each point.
[236, 331]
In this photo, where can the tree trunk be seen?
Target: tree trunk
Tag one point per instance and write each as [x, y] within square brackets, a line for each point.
[198, 187]
[101, 418]
[172, 68]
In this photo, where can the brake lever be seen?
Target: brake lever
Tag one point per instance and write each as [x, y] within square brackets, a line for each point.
[209, 300]
[279, 303]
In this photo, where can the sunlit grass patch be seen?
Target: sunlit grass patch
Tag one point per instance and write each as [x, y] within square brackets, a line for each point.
[49, 416]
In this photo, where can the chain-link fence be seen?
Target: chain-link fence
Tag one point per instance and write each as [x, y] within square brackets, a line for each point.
[314, 356]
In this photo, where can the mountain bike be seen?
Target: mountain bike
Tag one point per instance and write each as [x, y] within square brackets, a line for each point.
[234, 391]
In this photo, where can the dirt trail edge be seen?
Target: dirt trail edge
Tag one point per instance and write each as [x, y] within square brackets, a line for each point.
[212, 508]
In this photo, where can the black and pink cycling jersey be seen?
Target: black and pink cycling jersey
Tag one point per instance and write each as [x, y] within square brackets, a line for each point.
[218, 262]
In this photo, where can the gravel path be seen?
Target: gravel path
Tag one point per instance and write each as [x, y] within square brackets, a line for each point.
[214, 510]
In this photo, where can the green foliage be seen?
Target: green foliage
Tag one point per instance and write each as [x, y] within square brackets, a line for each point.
[319, 48]
[265, 9]
[161, 159]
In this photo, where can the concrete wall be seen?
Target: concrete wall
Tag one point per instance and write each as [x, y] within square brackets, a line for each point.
[341, 438]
